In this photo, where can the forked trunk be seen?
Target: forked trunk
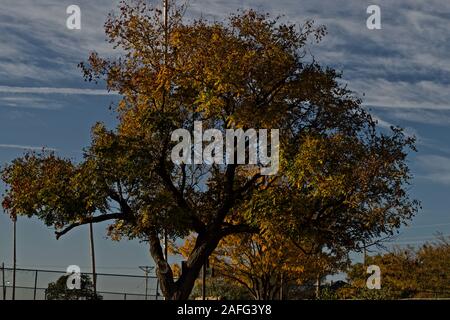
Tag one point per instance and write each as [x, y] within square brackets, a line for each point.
[190, 269]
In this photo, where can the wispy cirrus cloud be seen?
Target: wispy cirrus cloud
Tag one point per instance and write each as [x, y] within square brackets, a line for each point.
[409, 131]
[18, 101]
[37, 46]
[435, 168]
[403, 66]
[54, 90]
[423, 116]
[44, 98]
[384, 93]
[25, 147]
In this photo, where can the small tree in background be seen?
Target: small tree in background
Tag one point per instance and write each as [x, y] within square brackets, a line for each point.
[58, 290]
[410, 272]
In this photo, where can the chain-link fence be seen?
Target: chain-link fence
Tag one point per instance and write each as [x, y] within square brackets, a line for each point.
[32, 284]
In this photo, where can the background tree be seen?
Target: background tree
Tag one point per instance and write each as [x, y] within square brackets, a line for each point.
[218, 287]
[58, 290]
[339, 178]
[410, 272]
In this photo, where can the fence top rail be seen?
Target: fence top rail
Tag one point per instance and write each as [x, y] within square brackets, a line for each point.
[99, 292]
[97, 273]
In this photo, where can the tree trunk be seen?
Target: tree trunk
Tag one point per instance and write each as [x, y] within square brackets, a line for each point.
[181, 289]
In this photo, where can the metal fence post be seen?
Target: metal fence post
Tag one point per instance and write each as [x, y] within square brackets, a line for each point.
[157, 289]
[35, 285]
[3, 281]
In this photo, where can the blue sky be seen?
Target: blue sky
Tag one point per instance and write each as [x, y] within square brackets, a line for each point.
[402, 69]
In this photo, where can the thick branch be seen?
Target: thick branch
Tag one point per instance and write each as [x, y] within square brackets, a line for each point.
[248, 187]
[229, 199]
[238, 228]
[124, 207]
[87, 220]
[183, 179]
[197, 225]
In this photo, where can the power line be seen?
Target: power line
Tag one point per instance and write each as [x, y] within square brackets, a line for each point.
[421, 237]
[82, 267]
[416, 239]
[146, 270]
[408, 242]
[98, 274]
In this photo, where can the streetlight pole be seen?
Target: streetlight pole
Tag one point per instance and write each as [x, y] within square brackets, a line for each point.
[14, 258]
[94, 275]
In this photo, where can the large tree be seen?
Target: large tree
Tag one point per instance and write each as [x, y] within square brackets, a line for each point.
[340, 179]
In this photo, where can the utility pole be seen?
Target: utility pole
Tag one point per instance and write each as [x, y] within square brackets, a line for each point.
[364, 252]
[166, 44]
[166, 29]
[166, 18]
[204, 270]
[146, 270]
[281, 286]
[204, 282]
[94, 275]
[14, 258]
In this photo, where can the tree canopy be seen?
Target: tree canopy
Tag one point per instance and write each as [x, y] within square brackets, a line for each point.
[341, 181]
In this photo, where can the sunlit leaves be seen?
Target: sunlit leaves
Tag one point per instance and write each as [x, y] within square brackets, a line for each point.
[52, 188]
